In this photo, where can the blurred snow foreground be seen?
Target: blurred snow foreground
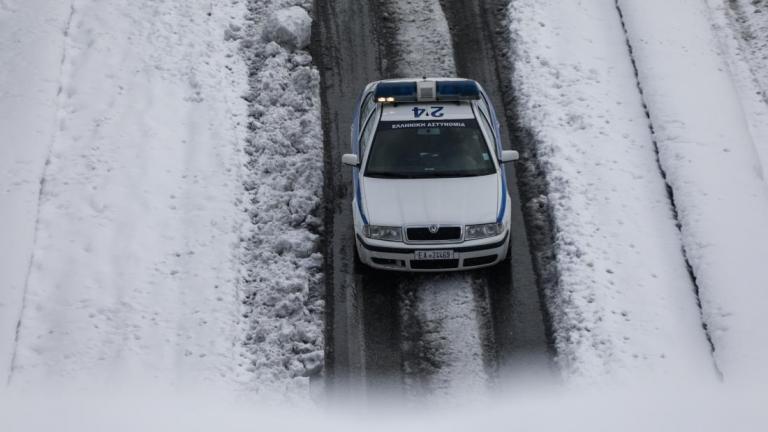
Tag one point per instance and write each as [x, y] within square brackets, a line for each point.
[289, 27]
[682, 408]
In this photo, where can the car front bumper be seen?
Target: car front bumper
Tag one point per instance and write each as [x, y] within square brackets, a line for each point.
[402, 257]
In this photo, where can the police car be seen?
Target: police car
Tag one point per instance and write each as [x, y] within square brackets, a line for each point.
[430, 192]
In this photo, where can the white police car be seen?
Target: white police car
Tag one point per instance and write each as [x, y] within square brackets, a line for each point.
[430, 189]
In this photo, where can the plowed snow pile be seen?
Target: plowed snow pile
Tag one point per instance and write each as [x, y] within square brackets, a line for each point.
[281, 266]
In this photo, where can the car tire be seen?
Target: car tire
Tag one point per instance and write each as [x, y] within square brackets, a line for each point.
[359, 265]
[507, 261]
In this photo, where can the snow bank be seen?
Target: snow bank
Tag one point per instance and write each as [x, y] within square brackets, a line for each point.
[623, 305]
[289, 27]
[712, 165]
[282, 273]
[31, 58]
[133, 275]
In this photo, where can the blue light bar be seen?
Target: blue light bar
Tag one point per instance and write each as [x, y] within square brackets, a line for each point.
[457, 90]
[402, 91]
[444, 91]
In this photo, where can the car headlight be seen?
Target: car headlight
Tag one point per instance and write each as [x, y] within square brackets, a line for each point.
[388, 233]
[483, 231]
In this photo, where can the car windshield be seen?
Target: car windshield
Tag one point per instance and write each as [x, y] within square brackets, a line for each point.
[429, 149]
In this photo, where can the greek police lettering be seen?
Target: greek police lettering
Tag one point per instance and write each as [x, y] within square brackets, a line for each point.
[421, 124]
[408, 125]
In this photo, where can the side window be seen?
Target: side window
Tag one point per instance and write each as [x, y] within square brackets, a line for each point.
[485, 125]
[366, 107]
[485, 107]
[368, 129]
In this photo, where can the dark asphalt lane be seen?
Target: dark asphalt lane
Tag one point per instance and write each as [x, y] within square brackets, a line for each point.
[518, 322]
[368, 338]
[362, 318]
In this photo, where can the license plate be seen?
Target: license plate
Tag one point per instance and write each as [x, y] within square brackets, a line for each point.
[434, 254]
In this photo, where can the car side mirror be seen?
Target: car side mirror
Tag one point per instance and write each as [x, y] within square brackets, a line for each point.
[350, 159]
[509, 156]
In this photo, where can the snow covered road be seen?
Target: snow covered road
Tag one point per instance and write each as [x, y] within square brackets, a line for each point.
[463, 355]
[521, 342]
[445, 344]
[447, 310]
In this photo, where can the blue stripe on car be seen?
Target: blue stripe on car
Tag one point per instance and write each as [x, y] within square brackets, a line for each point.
[359, 196]
[500, 217]
[355, 144]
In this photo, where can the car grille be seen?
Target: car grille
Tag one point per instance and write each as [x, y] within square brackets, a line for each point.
[434, 264]
[443, 233]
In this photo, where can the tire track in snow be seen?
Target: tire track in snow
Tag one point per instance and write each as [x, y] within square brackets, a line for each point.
[519, 323]
[347, 49]
[41, 191]
[712, 164]
[444, 321]
[381, 331]
[670, 192]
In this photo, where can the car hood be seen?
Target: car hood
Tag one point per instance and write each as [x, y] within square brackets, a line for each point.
[397, 202]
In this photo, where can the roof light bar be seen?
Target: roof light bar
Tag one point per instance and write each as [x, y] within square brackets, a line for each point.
[413, 91]
[457, 90]
[401, 91]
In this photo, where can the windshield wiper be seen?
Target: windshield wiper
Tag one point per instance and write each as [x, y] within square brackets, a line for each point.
[444, 174]
[390, 175]
[426, 175]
